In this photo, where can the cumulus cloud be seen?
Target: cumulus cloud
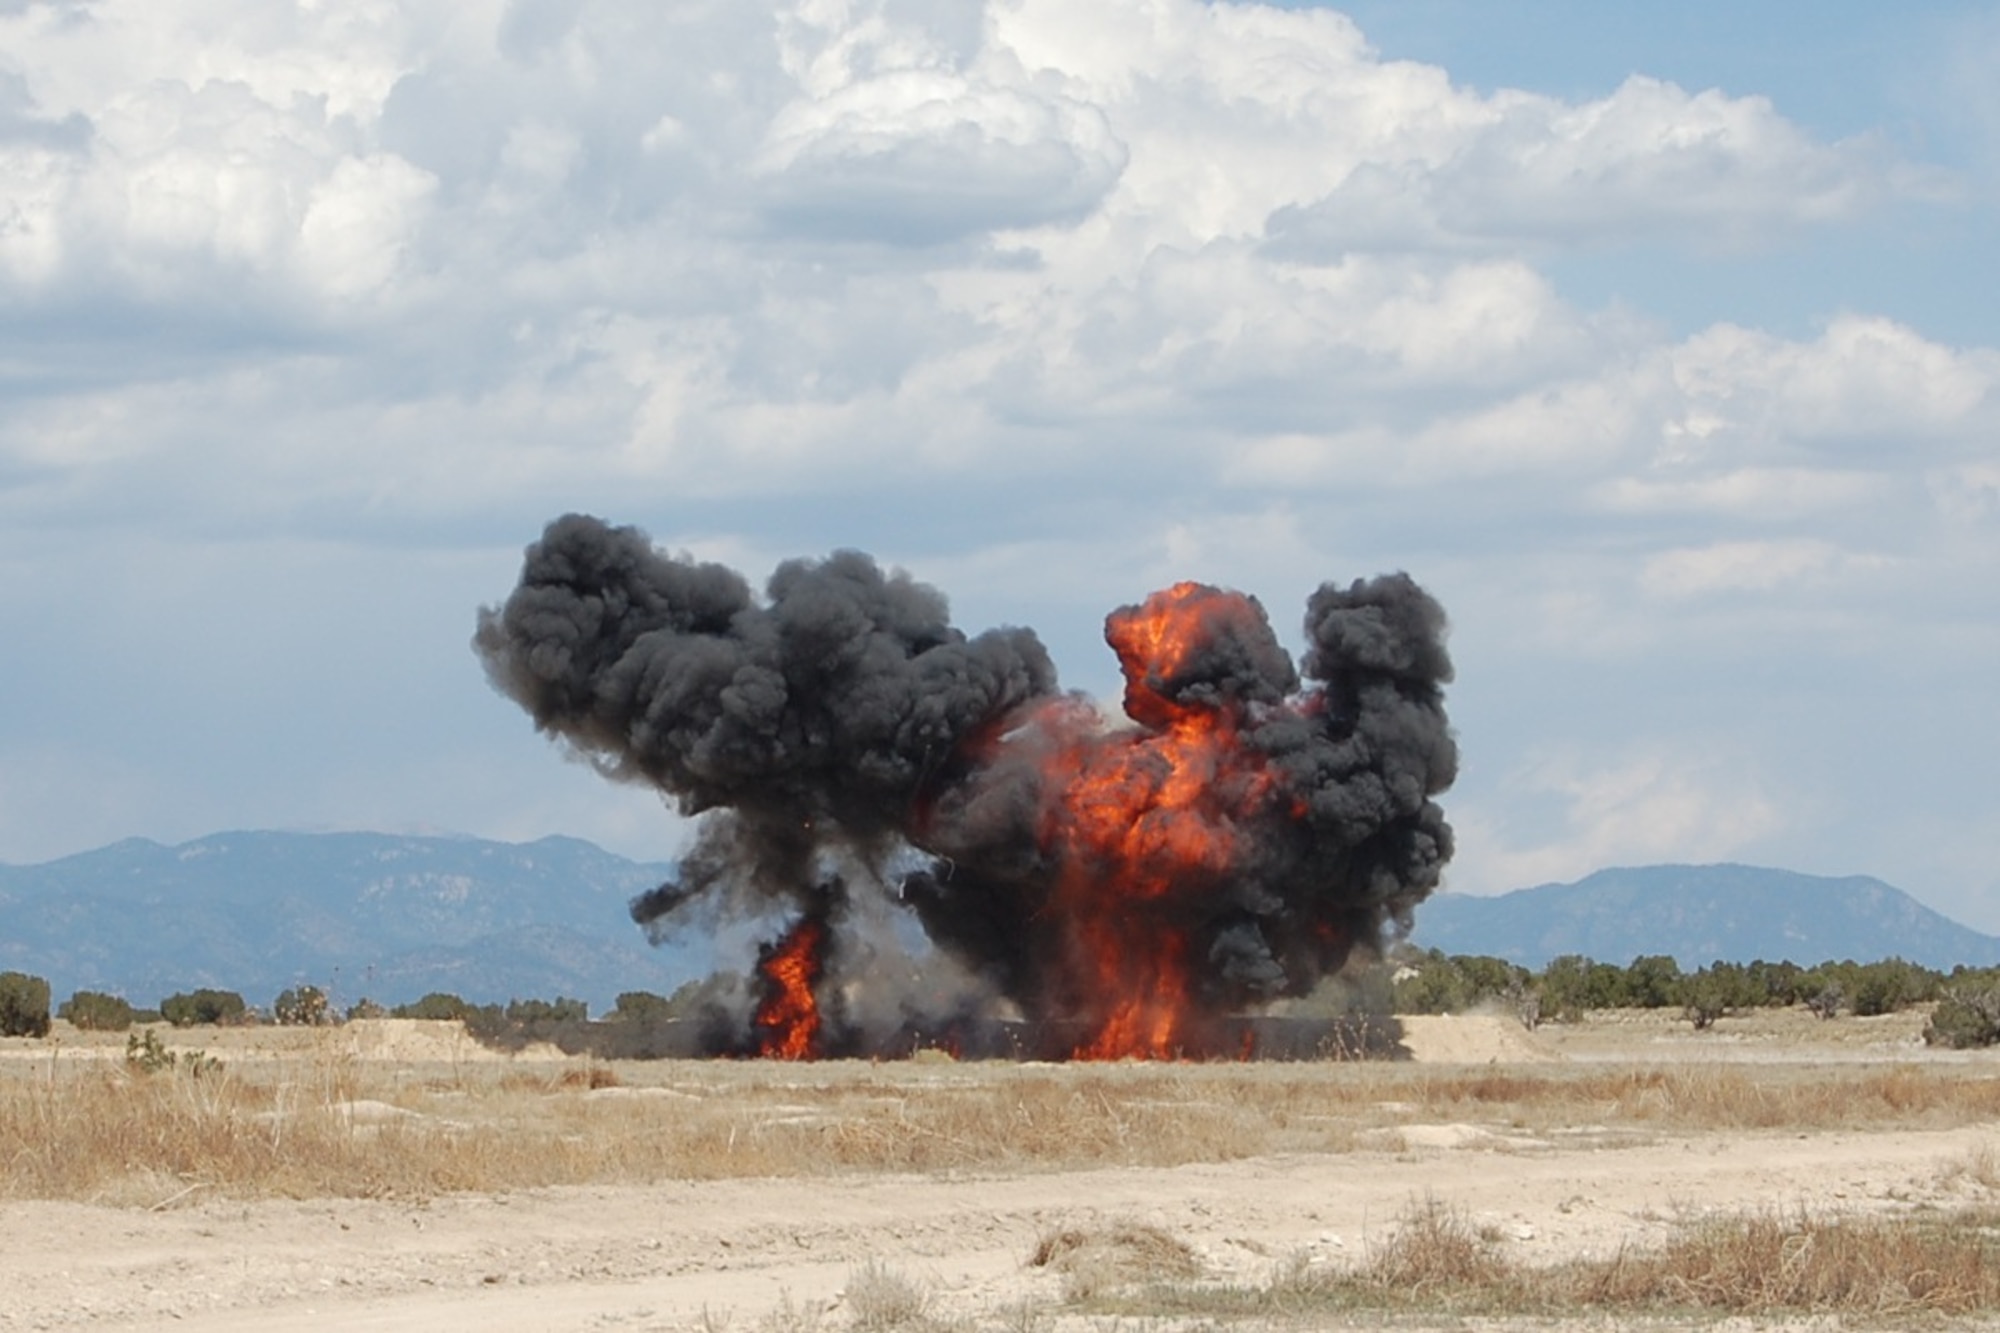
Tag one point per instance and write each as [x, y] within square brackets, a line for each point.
[1662, 803]
[928, 153]
[190, 157]
[1064, 297]
[1862, 376]
[595, 237]
[454, 258]
[355, 236]
[1650, 161]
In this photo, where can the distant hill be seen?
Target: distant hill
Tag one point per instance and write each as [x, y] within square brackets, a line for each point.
[389, 918]
[361, 914]
[1699, 914]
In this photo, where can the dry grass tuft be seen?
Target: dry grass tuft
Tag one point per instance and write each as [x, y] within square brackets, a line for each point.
[329, 1124]
[880, 1300]
[1720, 1097]
[590, 1077]
[319, 1120]
[1767, 1263]
[1979, 1169]
[1433, 1249]
[791, 1317]
[1095, 1261]
[1759, 1266]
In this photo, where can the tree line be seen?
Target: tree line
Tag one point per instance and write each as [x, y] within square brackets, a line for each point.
[1966, 999]
[25, 1010]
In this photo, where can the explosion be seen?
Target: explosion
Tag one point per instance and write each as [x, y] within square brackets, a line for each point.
[862, 768]
[788, 1016]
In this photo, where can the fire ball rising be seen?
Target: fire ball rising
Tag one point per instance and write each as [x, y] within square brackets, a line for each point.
[863, 767]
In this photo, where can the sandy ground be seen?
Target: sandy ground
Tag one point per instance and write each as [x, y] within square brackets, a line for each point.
[759, 1254]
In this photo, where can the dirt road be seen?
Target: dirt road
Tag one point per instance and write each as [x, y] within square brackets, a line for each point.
[776, 1252]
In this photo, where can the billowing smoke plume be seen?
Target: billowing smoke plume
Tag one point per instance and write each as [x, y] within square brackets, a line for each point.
[866, 767]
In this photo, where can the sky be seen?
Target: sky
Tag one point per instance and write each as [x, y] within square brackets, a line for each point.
[1659, 342]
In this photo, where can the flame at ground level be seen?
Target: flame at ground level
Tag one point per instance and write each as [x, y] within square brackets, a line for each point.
[1140, 823]
[788, 1016]
[1211, 1039]
[1150, 1018]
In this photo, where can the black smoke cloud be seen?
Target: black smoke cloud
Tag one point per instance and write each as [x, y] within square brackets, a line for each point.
[859, 759]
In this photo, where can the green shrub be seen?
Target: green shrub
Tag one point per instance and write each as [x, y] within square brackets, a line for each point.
[203, 1006]
[1779, 984]
[1431, 984]
[24, 1005]
[1572, 985]
[560, 1010]
[1866, 989]
[1967, 1016]
[145, 1054]
[301, 1006]
[640, 1006]
[1706, 995]
[1890, 985]
[1652, 982]
[1825, 1002]
[488, 1022]
[437, 1006]
[95, 1011]
[1489, 978]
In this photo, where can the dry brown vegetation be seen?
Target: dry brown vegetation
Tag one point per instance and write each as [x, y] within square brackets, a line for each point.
[1744, 1096]
[317, 1115]
[1094, 1260]
[1760, 1265]
[321, 1122]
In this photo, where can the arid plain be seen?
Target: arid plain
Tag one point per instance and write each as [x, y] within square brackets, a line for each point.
[396, 1175]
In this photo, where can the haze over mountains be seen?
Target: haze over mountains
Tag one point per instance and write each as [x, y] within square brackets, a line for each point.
[360, 914]
[1702, 914]
[391, 917]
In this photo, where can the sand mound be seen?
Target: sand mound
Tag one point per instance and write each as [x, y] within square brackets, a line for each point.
[414, 1040]
[1474, 1039]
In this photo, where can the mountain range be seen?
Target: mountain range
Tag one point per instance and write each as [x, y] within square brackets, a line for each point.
[357, 914]
[1701, 914]
[390, 918]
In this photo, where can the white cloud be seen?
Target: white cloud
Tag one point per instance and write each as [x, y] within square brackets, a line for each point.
[33, 182]
[1663, 804]
[1749, 566]
[554, 224]
[924, 158]
[1650, 160]
[1862, 377]
[1651, 156]
[897, 135]
[1751, 492]
[356, 234]
[1061, 297]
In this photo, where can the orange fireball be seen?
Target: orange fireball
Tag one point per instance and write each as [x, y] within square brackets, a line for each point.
[1139, 821]
[788, 1019]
